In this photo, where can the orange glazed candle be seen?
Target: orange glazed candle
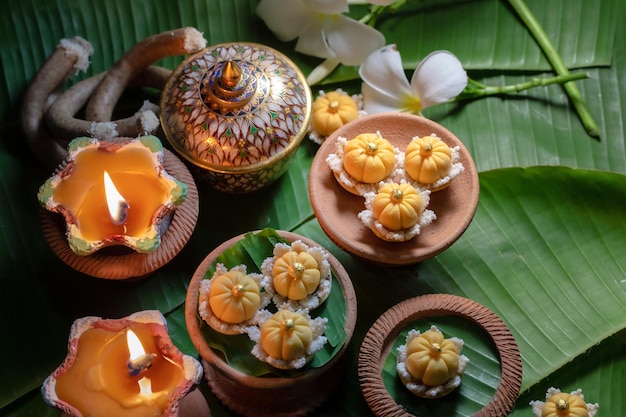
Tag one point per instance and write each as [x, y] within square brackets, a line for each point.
[125, 368]
[113, 194]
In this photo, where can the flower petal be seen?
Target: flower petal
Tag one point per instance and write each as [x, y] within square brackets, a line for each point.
[351, 41]
[439, 78]
[377, 101]
[312, 42]
[327, 6]
[382, 71]
[322, 71]
[293, 19]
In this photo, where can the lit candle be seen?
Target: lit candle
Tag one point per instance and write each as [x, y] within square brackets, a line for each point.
[139, 360]
[97, 380]
[113, 194]
[117, 205]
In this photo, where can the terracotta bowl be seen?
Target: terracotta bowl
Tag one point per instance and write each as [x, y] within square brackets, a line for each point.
[337, 209]
[380, 338]
[268, 395]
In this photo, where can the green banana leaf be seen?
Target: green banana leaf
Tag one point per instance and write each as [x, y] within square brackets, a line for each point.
[544, 251]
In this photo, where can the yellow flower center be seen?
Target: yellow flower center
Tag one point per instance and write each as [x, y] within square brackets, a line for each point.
[412, 104]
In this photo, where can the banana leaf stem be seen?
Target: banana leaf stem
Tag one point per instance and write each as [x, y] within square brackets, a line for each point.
[557, 64]
[475, 89]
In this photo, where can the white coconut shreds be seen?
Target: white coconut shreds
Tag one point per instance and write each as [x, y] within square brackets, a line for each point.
[358, 99]
[369, 220]
[323, 289]
[537, 406]
[455, 169]
[318, 328]
[335, 162]
[414, 385]
[266, 291]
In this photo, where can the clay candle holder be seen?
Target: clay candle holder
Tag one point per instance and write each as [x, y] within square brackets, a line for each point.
[128, 207]
[123, 367]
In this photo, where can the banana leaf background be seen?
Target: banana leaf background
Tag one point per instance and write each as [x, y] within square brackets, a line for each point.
[545, 251]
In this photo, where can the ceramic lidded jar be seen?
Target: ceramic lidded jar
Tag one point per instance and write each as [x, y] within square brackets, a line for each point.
[238, 111]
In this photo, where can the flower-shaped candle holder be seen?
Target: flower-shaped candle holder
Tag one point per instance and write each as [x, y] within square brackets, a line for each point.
[127, 206]
[122, 367]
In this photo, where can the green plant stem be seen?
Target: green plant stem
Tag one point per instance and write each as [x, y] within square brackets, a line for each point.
[376, 10]
[475, 89]
[557, 64]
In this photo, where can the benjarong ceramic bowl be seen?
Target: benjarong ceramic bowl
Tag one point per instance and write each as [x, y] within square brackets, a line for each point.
[277, 394]
[237, 111]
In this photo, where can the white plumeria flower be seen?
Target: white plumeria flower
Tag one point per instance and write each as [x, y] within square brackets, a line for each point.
[438, 78]
[322, 31]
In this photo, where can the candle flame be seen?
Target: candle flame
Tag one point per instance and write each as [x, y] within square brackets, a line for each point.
[134, 346]
[145, 387]
[118, 206]
[138, 360]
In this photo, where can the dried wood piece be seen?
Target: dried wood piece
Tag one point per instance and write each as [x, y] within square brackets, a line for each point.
[146, 52]
[65, 126]
[70, 57]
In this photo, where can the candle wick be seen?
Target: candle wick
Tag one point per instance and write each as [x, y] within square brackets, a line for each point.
[141, 364]
[122, 213]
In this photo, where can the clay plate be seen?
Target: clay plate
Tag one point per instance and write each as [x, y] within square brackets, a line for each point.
[337, 209]
[380, 338]
[266, 396]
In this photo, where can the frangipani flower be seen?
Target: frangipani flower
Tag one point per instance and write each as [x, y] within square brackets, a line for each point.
[438, 78]
[321, 29]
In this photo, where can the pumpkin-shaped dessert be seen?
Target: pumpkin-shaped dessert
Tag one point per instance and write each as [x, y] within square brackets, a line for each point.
[369, 158]
[565, 405]
[432, 359]
[286, 335]
[429, 365]
[234, 297]
[296, 275]
[331, 111]
[427, 159]
[398, 206]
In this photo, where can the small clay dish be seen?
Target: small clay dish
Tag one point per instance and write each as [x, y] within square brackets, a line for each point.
[121, 263]
[277, 393]
[380, 339]
[337, 210]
